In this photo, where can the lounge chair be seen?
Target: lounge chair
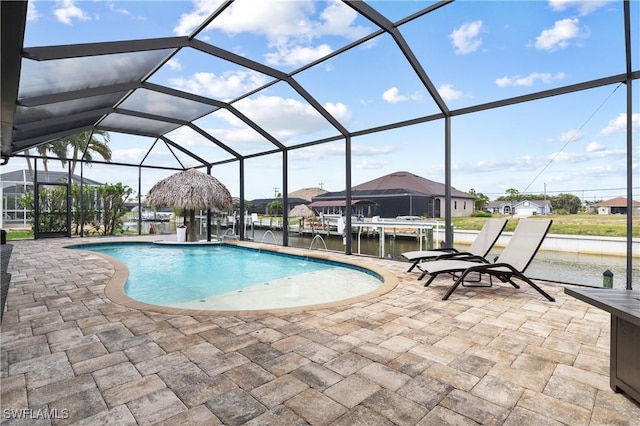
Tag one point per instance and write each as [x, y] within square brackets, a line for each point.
[512, 262]
[481, 245]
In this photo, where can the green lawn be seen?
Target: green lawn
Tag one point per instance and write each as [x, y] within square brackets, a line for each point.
[572, 224]
[19, 234]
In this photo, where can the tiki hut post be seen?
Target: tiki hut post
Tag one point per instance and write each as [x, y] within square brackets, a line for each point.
[191, 226]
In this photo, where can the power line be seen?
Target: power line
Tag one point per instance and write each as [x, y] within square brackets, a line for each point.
[566, 191]
[577, 132]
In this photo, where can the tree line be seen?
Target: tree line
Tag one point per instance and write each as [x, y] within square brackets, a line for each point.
[561, 203]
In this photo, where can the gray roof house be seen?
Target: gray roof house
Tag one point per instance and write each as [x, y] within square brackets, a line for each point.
[16, 183]
[24, 177]
[617, 205]
[398, 194]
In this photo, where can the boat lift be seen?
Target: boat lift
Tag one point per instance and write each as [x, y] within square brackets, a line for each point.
[426, 230]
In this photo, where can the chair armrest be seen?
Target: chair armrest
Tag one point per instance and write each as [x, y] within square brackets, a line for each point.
[446, 250]
[463, 256]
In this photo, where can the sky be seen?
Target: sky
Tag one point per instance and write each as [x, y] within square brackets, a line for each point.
[473, 52]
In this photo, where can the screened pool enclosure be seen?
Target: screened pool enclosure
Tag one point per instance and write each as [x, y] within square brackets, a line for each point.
[272, 95]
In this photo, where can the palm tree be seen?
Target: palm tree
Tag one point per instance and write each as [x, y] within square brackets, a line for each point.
[79, 144]
[43, 151]
[481, 200]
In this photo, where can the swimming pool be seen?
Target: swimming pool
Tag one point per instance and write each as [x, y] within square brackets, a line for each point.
[233, 278]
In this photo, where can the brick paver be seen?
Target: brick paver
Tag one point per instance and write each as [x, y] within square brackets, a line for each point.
[486, 356]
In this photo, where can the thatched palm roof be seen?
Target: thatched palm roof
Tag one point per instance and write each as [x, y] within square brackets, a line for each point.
[301, 210]
[191, 190]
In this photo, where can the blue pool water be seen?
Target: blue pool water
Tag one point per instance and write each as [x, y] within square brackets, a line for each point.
[171, 275]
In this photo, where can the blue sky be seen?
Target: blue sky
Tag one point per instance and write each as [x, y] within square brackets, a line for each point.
[473, 52]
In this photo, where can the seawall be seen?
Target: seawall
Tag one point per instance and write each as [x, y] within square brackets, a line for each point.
[604, 246]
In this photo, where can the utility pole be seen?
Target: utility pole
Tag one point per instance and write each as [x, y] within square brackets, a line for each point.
[275, 192]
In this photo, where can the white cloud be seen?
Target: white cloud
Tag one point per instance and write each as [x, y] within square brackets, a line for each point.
[448, 93]
[271, 19]
[115, 7]
[277, 20]
[290, 27]
[238, 138]
[222, 87]
[241, 139]
[594, 151]
[559, 36]
[393, 96]
[523, 163]
[584, 7]
[371, 164]
[619, 124]
[185, 136]
[567, 157]
[174, 64]
[570, 136]
[529, 80]
[466, 38]
[66, 11]
[32, 12]
[319, 152]
[359, 150]
[131, 155]
[338, 110]
[600, 171]
[190, 21]
[297, 55]
[595, 147]
[338, 19]
[286, 118]
[586, 176]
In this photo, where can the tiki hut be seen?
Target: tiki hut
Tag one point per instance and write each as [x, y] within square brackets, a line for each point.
[190, 190]
[301, 210]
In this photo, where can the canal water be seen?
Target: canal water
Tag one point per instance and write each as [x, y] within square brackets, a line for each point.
[561, 267]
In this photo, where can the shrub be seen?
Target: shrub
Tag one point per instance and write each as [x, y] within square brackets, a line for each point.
[482, 213]
[102, 208]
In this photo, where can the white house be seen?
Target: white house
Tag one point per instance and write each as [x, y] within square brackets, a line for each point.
[530, 208]
[521, 208]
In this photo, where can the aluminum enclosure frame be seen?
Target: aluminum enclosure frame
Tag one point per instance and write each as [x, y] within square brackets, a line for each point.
[14, 15]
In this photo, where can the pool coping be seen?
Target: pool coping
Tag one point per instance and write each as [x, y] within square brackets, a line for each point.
[114, 289]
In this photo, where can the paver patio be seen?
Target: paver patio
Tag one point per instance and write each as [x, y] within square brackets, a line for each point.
[486, 356]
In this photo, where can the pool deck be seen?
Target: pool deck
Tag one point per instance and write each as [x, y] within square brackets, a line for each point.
[486, 356]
